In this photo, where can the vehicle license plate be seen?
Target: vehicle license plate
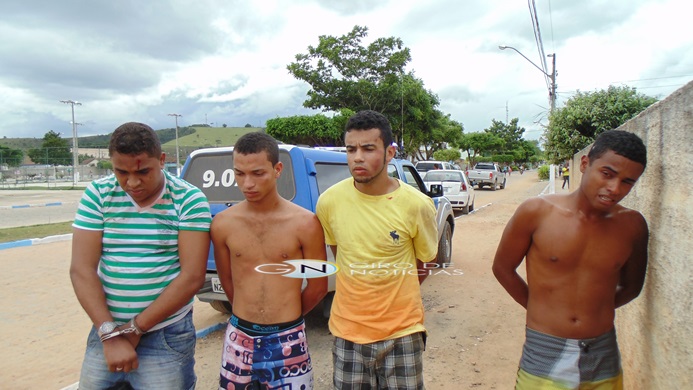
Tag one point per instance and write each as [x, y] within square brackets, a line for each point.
[446, 189]
[216, 286]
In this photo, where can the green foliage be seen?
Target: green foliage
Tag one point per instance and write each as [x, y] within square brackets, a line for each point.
[543, 172]
[53, 151]
[168, 135]
[503, 158]
[588, 114]
[511, 134]
[343, 74]
[94, 141]
[307, 130]
[478, 144]
[246, 125]
[10, 157]
[525, 150]
[447, 155]
[104, 164]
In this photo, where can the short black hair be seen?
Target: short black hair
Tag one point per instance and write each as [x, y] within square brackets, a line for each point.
[622, 143]
[135, 138]
[257, 142]
[369, 119]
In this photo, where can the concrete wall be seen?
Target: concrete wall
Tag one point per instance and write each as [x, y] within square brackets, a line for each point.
[655, 331]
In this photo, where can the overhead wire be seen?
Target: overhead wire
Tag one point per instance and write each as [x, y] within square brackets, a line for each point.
[540, 44]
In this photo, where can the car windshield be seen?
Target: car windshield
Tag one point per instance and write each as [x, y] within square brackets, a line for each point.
[442, 176]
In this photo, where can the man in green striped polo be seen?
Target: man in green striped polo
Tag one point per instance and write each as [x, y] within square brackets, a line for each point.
[139, 253]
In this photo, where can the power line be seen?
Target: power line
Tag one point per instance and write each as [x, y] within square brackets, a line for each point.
[537, 37]
[654, 78]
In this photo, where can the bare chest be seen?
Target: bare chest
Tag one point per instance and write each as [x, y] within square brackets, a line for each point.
[261, 242]
[567, 243]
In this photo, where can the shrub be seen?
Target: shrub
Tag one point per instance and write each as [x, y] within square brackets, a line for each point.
[543, 172]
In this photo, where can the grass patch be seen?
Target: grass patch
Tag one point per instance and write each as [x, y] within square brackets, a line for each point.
[36, 231]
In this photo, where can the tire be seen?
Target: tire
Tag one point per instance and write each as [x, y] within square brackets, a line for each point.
[471, 206]
[503, 185]
[494, 186]
[221, 306]
[480, 186]
[445, 246]
[465, 209]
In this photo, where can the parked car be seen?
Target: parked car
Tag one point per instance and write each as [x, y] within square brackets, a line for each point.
[425, 166]
[456, 188]
[487, 174]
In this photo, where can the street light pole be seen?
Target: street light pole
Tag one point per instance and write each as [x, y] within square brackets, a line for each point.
[75, 150]
[177, 151]
[552, 76]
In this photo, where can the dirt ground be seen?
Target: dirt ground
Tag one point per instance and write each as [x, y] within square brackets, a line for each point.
[475, 329]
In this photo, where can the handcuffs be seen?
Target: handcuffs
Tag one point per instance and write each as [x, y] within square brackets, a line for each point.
[132, 328]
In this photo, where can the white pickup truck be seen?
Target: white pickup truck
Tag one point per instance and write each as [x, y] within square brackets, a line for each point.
[486, 174]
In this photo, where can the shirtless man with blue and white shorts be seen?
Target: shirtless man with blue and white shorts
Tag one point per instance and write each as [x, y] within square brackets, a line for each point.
[265, 342]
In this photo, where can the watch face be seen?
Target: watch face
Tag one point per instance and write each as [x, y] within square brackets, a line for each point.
[107, 327]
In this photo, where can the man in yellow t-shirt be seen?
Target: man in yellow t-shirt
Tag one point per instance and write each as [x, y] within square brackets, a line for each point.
[566, 177]
[379, 229]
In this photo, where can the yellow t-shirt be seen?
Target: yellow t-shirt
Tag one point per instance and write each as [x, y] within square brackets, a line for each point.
[378, 240]
[566, 172]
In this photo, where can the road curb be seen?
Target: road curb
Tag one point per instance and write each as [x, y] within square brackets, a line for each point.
[35, 241]
[26, 206]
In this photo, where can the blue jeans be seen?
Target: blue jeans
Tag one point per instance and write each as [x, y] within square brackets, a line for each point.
[166, 360]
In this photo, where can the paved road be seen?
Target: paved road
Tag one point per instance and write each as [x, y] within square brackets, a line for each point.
[34, 207]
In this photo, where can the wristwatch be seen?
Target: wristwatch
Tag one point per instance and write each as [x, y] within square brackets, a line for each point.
[106, 328]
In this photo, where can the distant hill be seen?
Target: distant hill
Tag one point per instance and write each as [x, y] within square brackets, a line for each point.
[189, 137]
[210, 136]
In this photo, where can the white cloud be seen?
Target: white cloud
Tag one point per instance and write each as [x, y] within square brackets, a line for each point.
[225, 62]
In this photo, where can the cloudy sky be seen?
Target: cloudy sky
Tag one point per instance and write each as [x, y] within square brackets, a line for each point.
[224, 61]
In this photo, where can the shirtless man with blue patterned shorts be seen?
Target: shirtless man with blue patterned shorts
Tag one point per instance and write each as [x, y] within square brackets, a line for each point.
[265, 342]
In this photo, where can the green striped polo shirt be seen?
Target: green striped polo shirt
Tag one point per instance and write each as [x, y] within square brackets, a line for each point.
[139, 256]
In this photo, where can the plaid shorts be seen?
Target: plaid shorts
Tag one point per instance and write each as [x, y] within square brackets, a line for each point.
[387, 364]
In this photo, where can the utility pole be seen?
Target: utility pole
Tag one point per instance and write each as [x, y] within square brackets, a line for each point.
[75, 147]
[553, 81]
[177, 151]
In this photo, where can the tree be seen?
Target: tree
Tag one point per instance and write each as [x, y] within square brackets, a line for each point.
[511, 133]
[53, 151]
[447, 155]
[477, 144]
[344, 74]
[10, 157]
[588, 114]
[104, 164]
[526, 150]
[308, 129]
[246, 125]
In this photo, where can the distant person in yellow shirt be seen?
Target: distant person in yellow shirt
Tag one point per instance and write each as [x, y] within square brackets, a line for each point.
[374, 221]
[566, 177]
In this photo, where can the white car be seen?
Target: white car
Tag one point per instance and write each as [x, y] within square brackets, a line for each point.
[428, 165]
[455, 187]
